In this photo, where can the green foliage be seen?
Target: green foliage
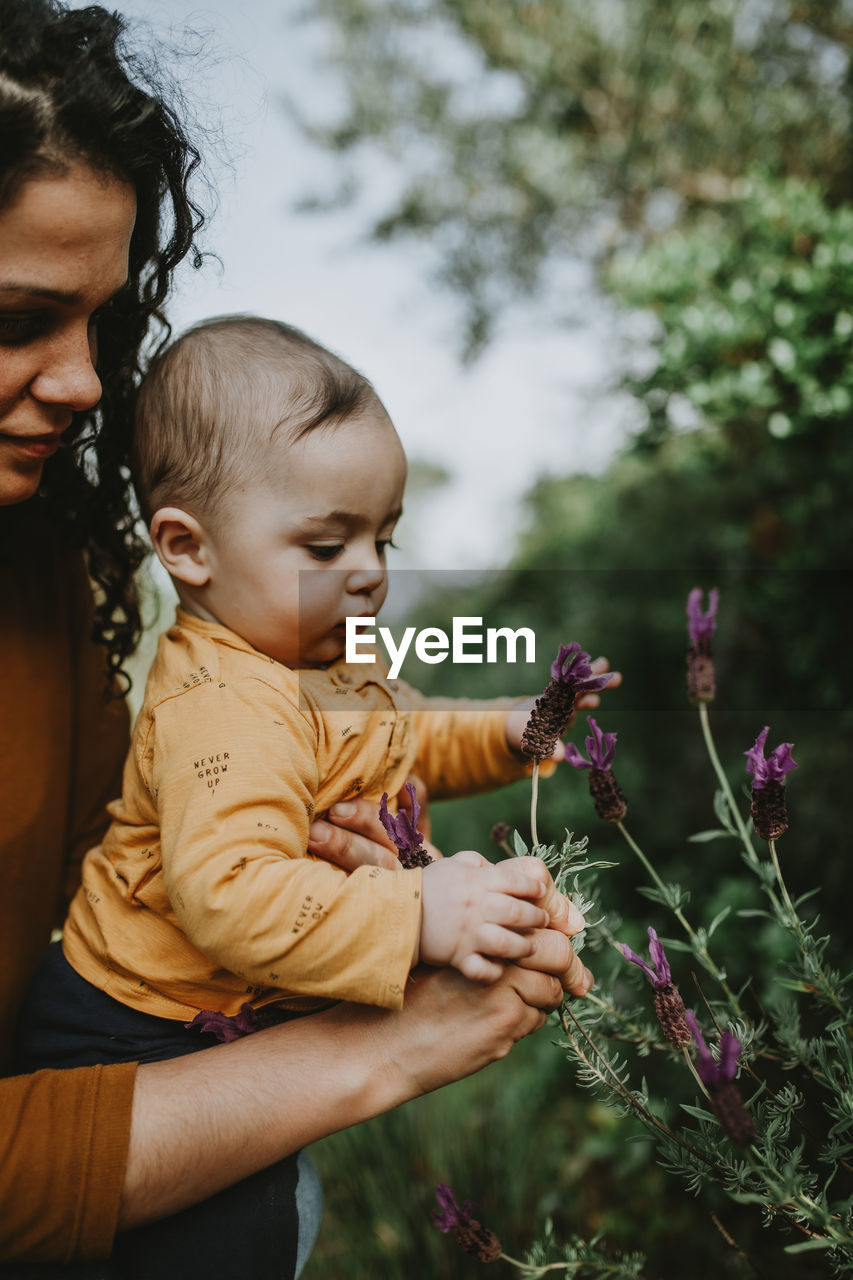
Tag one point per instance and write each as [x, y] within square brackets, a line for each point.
[513, 124]
[755, 321]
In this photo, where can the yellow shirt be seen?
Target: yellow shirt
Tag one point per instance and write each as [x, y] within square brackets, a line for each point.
[202, 895]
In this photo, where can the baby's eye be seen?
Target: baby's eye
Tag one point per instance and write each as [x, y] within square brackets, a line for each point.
[323, 551]
[383, 545]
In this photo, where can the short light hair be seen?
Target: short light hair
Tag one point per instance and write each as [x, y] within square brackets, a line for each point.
[212, 401]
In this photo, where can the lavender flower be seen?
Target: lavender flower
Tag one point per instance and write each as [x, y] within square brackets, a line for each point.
[571, 673]
[701, 626]
[473, 1237]
[605, 791]
[669, 1005]
[701, 679]
[403, 831]
[718, 1079]
[501, 833]
[769, 808]
[222, 1026]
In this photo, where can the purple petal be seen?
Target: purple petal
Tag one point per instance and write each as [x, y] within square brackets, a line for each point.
[781, 761]
[222, 1026]
[659, 960]
[565, 655]
[574, 757]
[706, 1067]
[450, 1215]
[701, 625]
[386, 819]
[601, 746]
[730, 1051]
[773, 769]
[402, 829]
[755, 762]
[635, 959]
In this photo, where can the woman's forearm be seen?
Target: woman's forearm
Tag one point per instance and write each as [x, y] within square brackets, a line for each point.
[202, 1122]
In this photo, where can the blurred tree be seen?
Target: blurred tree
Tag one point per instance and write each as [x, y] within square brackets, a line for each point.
[518, 125]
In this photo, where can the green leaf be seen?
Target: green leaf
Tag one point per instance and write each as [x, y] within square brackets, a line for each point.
[718, 920]
[521, 850]
[806, 1245]
[700, 837]
[747, 913]
[698, 1112]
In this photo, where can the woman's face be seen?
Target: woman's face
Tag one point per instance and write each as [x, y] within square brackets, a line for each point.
[64, 244]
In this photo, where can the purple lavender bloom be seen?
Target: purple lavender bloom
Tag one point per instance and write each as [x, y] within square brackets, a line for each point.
[222, 1026]
[701, 626]
[449, 1214]
[661, 975]
[718, 1078]
[774, 768]
[669, 1005]
[711, 1073]
[474, 1238]
[402, 828]
[572, 666]
[600, 748]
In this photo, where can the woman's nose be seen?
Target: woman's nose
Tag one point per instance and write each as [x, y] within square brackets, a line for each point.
[67, 375]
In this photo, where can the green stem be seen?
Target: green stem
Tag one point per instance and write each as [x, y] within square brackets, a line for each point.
[825, 984]
[734, 809]
[700, 948]
[534, 799]
[534, 1270]
[753, 858]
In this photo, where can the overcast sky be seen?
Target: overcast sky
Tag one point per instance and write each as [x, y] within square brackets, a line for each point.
[531, 405]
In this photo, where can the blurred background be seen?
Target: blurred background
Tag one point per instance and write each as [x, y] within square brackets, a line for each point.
[598, 262]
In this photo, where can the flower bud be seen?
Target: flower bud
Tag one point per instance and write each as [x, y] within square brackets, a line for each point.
[607, 795]
[479, 1241]
[770, 810]
[672, 1016]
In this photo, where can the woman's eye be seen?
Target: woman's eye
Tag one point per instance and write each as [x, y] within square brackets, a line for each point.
[323, 552]
[20, 328]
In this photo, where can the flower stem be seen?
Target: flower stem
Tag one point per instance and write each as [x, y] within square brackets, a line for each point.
[699, 947]
[822, 981]
[534, 799]
[734, 809]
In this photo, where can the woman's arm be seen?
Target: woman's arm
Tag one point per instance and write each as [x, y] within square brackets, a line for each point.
[202, 1122]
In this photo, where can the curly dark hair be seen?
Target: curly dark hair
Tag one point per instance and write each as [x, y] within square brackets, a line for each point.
[69, 92]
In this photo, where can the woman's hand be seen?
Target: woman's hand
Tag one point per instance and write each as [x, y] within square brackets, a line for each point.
[352, 835]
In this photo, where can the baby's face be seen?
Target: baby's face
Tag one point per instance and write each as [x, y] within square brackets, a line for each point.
[303, 544]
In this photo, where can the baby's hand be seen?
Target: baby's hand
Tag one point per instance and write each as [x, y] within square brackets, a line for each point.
[475, 914]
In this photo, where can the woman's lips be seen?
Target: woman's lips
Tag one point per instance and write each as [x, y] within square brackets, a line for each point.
[33, 446]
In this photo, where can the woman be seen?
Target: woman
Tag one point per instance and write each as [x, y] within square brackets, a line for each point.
[94, 216]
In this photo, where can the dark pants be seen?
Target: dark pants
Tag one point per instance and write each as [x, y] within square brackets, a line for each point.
[247, 1232]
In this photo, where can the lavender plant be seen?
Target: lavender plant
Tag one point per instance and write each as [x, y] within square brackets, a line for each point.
[771, 1117]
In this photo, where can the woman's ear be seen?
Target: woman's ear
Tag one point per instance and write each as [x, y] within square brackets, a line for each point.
[180, 543]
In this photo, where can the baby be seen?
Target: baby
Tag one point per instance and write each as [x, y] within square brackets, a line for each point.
[272, 479]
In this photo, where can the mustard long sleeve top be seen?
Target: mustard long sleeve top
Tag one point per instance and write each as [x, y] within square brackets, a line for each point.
[63, 1134]
[202, 894]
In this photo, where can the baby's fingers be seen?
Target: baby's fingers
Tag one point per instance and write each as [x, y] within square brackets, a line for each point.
[519, 877]
[477, 968]
[513, 913]
[502, 944]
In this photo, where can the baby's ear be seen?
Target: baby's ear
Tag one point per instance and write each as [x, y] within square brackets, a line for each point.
[180, 543]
